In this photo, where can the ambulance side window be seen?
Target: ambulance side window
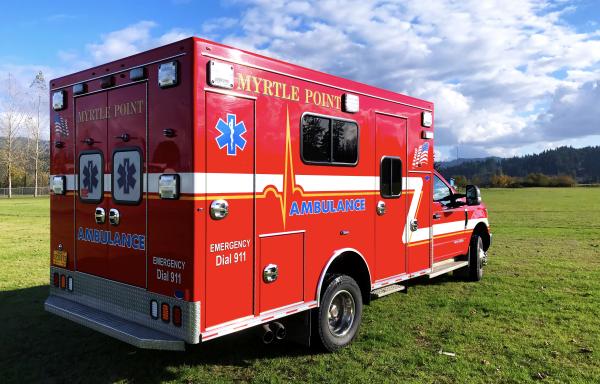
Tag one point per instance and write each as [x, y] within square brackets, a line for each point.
[345, 142]
[329, 141]
[390, 182]
[316, 139]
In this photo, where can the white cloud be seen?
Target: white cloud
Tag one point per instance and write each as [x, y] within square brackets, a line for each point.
[131, 40]
[506, 77]
[490, 67]
[572, 110]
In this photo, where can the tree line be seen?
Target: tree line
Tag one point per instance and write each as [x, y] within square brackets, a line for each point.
[560, 167]
[24, 153]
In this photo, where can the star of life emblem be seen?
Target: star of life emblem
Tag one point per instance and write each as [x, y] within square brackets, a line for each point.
[231, 134]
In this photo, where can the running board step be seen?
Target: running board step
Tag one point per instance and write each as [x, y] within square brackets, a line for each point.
[387, 290]
[127, 331]
[445, 267]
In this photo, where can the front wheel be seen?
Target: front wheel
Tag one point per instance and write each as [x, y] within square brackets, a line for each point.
[340, 313]
[476, 258]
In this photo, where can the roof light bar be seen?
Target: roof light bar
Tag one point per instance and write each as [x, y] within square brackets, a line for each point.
[137, 74]
[168, 74]
[426, 119]
[58, 100]
[220, 74]
[80, 88]
[107, 82]
[350, 103]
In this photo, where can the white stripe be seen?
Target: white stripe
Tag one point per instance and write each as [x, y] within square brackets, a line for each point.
[229, 183]
[416, 184]
[474, 222]
[107, 182]
[333, 183]
[214, 183]
[446, 228]
[263, 180]
[452, 226]
[70, 182]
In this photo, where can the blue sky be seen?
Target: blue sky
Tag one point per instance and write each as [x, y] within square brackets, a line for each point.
[507, 77]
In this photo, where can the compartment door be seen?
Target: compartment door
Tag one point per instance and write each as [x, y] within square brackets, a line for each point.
[229, 188]
[281, 270]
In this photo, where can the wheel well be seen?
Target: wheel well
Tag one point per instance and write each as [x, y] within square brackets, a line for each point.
[481, 230]
[351, 264]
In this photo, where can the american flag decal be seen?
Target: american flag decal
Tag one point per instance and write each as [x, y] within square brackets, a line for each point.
[421, 155]
[60, 125]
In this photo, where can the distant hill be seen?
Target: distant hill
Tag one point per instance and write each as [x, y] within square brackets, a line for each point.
[582, 164]
[459, 161]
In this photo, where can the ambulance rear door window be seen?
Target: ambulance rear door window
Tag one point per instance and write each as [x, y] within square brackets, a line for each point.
[127, 176]
[91, 176]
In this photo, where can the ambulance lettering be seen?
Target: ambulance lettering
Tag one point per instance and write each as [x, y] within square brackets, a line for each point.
[170, 275]
[237, 252]
[115, 239]
[318, 207]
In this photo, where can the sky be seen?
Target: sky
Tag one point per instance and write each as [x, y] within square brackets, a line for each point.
[506, 77]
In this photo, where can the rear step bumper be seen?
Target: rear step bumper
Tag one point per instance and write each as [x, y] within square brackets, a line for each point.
[127, 331]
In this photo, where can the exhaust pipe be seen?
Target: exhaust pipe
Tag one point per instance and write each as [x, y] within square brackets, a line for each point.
[268, 334]
[279, 329]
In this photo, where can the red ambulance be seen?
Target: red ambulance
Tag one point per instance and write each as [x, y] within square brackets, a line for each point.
[199, 190]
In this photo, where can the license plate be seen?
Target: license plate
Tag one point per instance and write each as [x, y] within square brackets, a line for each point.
[59, 258]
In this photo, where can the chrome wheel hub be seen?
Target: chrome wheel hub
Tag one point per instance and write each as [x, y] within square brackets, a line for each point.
[341, 313]
[482, 257]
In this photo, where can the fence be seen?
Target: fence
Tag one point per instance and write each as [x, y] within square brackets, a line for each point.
[25, 191]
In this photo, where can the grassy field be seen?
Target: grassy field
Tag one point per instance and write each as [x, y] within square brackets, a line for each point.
[534, 317]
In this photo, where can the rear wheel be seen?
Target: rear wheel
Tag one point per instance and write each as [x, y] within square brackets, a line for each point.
[340, 313]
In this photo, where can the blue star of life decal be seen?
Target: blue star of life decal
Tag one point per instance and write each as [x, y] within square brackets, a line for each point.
[90, 176]
[231, 134]
[126, 178]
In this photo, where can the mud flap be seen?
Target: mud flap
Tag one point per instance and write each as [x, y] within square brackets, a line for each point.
[299, 328]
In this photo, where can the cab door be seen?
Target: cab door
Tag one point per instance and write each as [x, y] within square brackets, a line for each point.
[448, 223]
[390, 249]
[230, 208]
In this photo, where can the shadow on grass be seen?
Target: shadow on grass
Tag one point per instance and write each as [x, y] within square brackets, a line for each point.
[36, 346]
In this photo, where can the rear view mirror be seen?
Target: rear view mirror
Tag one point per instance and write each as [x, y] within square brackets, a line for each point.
[473, 195]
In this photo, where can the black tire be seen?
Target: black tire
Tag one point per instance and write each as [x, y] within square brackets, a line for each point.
[338, 327]
[476, 255]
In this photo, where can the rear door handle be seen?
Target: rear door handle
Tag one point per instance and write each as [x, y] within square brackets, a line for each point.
[436, 216]
[99, 215]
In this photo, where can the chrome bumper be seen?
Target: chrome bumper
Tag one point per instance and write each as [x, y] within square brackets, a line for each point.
[127, 331]
[123, 311]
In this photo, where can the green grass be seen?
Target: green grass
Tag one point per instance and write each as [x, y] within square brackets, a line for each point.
[534, 317]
